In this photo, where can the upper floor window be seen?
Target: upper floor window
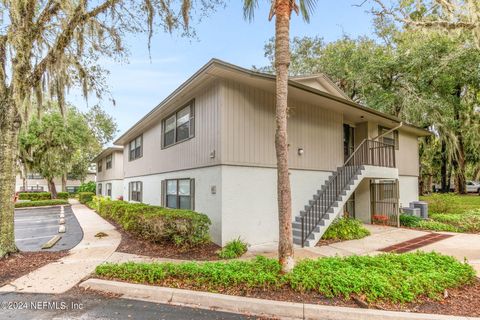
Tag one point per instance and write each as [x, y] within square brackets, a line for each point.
[179, 126]
[108, 162]
[135, 148]
[390, 138]
[99, 166]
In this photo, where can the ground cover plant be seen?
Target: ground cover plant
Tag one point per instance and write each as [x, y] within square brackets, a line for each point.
[346, 229]
[233, 249]
[387, 277]
[41, 203]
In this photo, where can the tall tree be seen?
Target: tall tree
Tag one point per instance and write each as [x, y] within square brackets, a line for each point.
[47, 46]
[434, 15]
[282, 11]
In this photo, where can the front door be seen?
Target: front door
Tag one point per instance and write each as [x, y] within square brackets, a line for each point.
[348, 140]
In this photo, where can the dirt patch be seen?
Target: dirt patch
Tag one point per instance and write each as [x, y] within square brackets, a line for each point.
[19, 264]
[324, 242]
[134, 245]
[459, 302]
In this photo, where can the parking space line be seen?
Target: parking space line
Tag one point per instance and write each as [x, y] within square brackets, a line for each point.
[37, 228]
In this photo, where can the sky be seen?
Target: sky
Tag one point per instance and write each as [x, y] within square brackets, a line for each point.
[142, 83]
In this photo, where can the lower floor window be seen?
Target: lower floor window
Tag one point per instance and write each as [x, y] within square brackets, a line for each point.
[99, 189]
[108, 187]
[179, 193]
[72, 189]
[136, 191]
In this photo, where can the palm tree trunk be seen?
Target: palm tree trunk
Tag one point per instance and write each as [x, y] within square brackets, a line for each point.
[443, 169]
[282, 62]
[64, 182]
[9, 130]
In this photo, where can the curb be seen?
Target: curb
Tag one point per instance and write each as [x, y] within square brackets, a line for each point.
[251, 306]
[46, 207]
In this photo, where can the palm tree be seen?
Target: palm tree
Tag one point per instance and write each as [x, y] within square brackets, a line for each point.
[282, 10]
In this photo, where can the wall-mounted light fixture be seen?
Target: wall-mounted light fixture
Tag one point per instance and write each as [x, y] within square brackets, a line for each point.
[300, 151]
[212, 154]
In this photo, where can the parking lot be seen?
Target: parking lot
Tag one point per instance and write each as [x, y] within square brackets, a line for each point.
[35, 226]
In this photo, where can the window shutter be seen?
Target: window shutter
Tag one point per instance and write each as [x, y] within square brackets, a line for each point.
[163, 193]
[129, 191]
[192, 194]
[141, 191]
[162, 134]
[192, 119]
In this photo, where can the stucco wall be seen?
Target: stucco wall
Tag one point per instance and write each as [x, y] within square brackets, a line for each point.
[205, 201]
[408, 186]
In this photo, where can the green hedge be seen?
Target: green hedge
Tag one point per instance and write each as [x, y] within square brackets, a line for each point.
[85, 197]
[182, 227]
[41, 203]
[34, 196]
[63, 195]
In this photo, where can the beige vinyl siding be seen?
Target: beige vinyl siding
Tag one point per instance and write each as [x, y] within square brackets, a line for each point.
[248, 130]
[407, 157]
[192, 153]
[116, 172]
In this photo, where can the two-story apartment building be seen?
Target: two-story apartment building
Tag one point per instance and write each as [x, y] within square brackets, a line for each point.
[35, 182]
[209, 147]
[110, 172]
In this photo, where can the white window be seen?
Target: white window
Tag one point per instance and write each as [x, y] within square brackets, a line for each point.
[108, 162]
[135, 191]
[179, 126]
[108, 188]
[99, 189]
[135, 148]
[179, 194]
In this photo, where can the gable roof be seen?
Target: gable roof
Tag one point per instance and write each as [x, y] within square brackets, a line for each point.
[220, 69]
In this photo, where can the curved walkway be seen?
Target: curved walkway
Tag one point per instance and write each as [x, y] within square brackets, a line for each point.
[60, 276]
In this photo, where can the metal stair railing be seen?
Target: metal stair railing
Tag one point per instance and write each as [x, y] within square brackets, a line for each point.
[368, 152]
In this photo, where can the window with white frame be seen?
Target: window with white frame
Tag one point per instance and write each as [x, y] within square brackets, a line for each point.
[179, 193]
[135, 191]
[135, 148]
[390, 138]
[109, 161]
[108, 189]
[179, 126]
[99, 189]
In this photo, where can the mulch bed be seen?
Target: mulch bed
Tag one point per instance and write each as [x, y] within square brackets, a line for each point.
[324, 242]
[459, 302]
[19, 264]
[134, 245]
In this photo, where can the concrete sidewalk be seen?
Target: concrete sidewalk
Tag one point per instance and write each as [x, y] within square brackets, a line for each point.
[60, 276]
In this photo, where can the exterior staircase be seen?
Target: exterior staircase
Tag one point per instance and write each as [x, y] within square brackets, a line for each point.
[327, 204]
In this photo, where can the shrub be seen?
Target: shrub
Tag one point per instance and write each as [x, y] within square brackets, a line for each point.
[88, 187]
[385, 277]
[346, 229]
[409, 221]
[41, 203]
[34, 196]
[182, 227]
[437, 226]
[85, 197]
[233, 249]
[442, 203]
[63, 195]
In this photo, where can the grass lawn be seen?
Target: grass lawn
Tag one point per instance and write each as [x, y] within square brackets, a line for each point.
[387, 277]
[449, 212]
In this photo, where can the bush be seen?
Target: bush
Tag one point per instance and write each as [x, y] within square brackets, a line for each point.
[346, 229]
[182, 227]
[41, 203]
[34, 196]
[437, 226]
[87, 187]
[233, 249]
[63, 195]
[409, 221]
[442, 203]
[85, 197]
[385, 277]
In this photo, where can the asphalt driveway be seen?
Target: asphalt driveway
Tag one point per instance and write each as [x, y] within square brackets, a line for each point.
[35, 226]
